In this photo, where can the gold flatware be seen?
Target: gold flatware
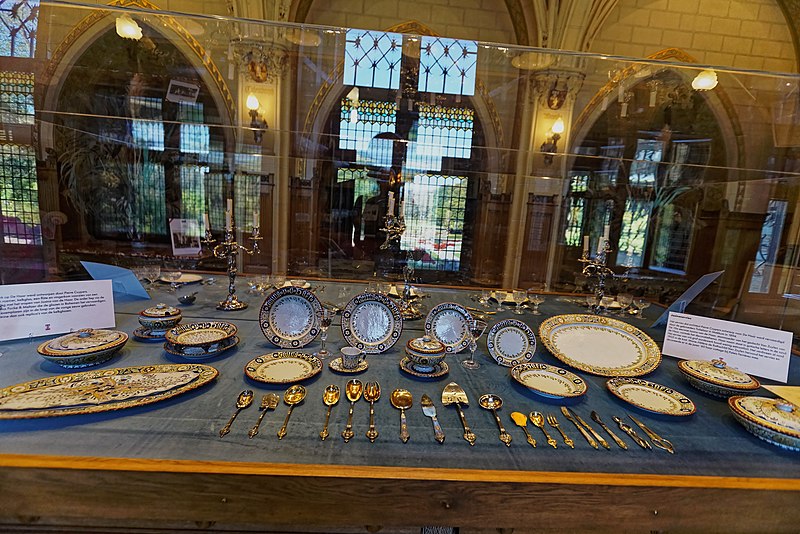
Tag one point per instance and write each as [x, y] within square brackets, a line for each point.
[619, 442]
[372, 392]
[330, 397]
[268, 402]
[628, 429]
[492, 402]
[521, 421]
[538, 420]
[478, 310]
[594, 433]
[551, 419]
[657, 440]
[430, 411]
[352, 391]
[292, 396]
[453, 394]
[244, 400]
[582, 430]
[402, 400]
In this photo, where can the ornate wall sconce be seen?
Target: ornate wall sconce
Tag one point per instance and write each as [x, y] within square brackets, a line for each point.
[550, 145]
[257, 122]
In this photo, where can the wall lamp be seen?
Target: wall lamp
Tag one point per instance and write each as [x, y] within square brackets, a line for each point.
[257, 122]
[550, 145]
[127, 28]
[705, 80]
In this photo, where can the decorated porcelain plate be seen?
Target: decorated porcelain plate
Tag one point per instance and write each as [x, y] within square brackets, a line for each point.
[83, 348]
[600, 345]
[511, 342]
[282, 367]
[201, 334]
[371, 322]
[201, 353]
[289, 317]
[337, 366]
[101, 390]
[447, 323]
[651, 396]
[184, 278]
[774, 420]
[439, 370]
[548, 380]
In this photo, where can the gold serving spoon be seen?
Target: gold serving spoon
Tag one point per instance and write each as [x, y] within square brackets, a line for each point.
[521, 421]
[402, 400]
[494, 403]
[329, 397]
[538, 420]
[268, 402]
[352, 391]
[294, 395]
[243, 401]
[372, 392]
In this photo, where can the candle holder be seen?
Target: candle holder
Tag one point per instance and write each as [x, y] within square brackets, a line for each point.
[597, 268]
[229, 250]
[394, 226]
[408, 302]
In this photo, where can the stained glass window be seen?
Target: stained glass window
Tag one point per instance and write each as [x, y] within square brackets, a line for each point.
[19, 200]
[18, 21]
[146, 128]
[16, 97]
[372, 59]
[644, 167]
[193, 201]
[447, 66]
[633, 232]
[357, 130]
[194, 134]
[441, 132]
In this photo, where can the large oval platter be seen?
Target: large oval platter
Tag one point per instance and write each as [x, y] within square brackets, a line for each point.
[650, 396]
[511, 342]
[600, 345]
[371, 322]
[282, 367]
[289, 317]
[447, 323]
[101, 390]
[548, 380]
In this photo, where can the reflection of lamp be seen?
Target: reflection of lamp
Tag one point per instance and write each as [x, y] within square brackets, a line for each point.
[705, 81]
[127, 28]
[257, 123]
[550, 145]
[352, 96]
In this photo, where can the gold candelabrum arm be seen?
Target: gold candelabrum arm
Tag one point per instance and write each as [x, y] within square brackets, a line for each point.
[229, 249]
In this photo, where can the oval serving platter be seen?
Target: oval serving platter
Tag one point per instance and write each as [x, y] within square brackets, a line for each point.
[200, 334]
[372, 322]
[650, 396]
[511, 342]
[548, 380]
[447, 323]
[282, 367]
[101, 390]
[289, 317]
[600, 345]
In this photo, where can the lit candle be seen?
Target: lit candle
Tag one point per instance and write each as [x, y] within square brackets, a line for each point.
[390, 207]
[206, 222]
[256, 218]
[402, 204]
[229, 216]
[585, 245]
[606, 232]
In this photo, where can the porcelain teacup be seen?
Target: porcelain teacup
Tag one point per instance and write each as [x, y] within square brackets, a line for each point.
[352, 357]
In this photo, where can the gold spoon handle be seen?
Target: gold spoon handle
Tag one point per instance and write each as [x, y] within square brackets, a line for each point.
[282, 431]
[403, 427]
[468, 434]
[227, 427]
[437, 430]
[529, 438]
[253, 431]
[348, 429]
[372, 434]
[324, 434]
[505, 437]
[550, 441]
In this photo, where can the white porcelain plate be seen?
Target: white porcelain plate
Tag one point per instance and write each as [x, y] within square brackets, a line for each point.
[511, 342]
[651, 396]
[283, 367]
[600, 345]
[548, 380]
[289, 317]
[447, 323]
[184, 278]
[371, 322]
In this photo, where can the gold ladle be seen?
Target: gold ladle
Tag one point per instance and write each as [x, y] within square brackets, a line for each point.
[372, 392]
[292, 396]
[402, 400]
[352, 391]
[329, 398]
[243, 401]
[493, 402]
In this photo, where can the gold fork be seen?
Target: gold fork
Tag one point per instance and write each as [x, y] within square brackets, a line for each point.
[551, 419]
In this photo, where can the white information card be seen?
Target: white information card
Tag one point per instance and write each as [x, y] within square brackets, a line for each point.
[752, 349]
[32, 310]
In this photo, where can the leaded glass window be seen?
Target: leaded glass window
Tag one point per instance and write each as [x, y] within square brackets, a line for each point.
[194, 134]
[372, 59]
[633, 232]
[18, 21]
[19, 200]
[357, 130]
[441, 132]
[147, 129]
[16, 97]
[447, 66]
[193, 201]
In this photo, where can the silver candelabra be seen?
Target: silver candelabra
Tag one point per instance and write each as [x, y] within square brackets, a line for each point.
[394, 226]
[597, 268]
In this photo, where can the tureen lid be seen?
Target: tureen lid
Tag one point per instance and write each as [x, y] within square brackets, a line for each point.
[717, 372]
[160, 310]
[426, 345]
[85, 341]
[775, 414]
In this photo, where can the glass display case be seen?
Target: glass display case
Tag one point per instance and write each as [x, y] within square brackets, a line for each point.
[349, 158]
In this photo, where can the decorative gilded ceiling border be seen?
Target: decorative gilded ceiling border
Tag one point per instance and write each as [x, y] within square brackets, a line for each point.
[664, 55]
[90, 20]
[412, 27]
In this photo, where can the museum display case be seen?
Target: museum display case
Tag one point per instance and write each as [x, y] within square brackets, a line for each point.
[492, 229]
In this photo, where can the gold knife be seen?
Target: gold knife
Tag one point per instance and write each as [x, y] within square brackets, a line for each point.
[582, 430]
[597, 436]
[596, 418]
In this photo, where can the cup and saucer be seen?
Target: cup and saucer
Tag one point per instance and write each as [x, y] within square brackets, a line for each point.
[352, 361]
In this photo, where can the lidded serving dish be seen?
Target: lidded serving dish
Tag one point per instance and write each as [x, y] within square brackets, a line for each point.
[425, 353]
[159, 318]
[776, 421]
[202, 339]
[716, 378]
[83, 348]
